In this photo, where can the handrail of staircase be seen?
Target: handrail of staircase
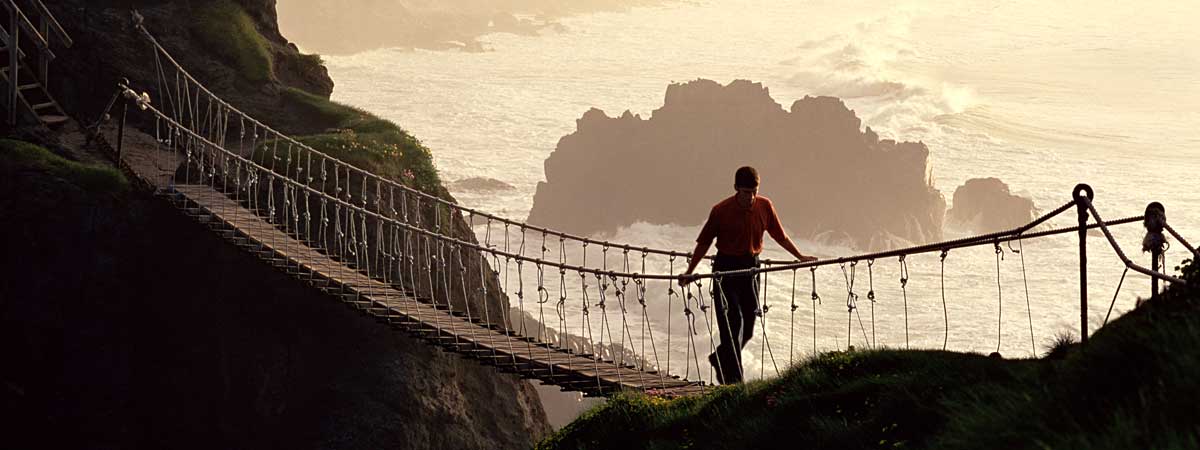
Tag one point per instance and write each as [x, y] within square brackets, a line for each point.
[53, 23]
[8, 38]
[25, 24]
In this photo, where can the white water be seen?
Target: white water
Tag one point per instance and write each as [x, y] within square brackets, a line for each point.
[1041, 95]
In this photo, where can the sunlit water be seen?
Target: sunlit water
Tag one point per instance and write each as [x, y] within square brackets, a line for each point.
[1041, 95]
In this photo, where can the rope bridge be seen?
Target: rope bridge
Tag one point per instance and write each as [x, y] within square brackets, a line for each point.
[410, 259]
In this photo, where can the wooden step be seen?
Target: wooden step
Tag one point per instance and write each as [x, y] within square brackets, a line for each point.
[53, 120]
[26, 87]
[43, 105]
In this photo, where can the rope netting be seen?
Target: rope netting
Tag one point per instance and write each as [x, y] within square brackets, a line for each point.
[620, 299]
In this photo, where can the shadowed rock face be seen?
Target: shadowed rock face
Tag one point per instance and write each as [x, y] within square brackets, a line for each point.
[828, 178]
[984, 205]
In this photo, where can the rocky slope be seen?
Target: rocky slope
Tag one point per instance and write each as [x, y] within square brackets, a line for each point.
[132, 327]
[828, 177]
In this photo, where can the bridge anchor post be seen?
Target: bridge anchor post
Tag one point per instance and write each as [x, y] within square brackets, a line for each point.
[1083, 197]
[1154, 242]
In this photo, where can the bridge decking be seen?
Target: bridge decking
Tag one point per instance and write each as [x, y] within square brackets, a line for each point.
[419, 316]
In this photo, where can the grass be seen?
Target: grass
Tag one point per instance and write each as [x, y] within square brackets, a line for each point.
[20, 155]
[367, 142]
[1134, 386]
[227, 30]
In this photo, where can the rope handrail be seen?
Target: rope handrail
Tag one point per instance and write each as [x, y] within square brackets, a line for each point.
[982, 239]
[929, 248]
[1121, 253]
[1181, 240]
[377, 178]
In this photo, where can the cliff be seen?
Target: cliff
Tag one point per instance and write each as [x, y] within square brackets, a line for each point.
[984, 205]
[126, 325]
[827, 176]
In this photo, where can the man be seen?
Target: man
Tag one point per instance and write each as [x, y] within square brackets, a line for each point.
[737, 223]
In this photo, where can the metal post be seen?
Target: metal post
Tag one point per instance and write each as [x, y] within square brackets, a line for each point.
[1083, 197]
[1155, 241]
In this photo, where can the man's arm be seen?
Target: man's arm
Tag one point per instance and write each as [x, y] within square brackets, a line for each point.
[703, 242]
[786, 243]
[775, 229]
[697, 256]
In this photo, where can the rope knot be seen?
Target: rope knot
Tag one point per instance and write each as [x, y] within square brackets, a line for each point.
[1155, 221]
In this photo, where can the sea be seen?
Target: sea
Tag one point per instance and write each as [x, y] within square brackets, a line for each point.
[1042, 95]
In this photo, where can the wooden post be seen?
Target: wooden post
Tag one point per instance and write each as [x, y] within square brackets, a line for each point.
[1083, 197]
[43, 61]
[1155, 221]
[14, 49]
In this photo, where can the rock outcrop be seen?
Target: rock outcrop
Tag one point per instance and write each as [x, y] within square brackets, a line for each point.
[829, 178]
[984, 205]
[108, 49]
[480, 184]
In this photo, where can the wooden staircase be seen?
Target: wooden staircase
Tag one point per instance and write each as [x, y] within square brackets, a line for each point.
[25, 55]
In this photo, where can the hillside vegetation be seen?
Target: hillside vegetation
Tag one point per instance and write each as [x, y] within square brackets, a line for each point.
[365, 141]
[1134, 386]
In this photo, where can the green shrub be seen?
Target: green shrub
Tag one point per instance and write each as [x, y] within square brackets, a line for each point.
[367, 142]
[95, 179]
[227, 30]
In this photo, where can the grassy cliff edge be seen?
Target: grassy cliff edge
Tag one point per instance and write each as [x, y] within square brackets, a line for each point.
[1134, 386]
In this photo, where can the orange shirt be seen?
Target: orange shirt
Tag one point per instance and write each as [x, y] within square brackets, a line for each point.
[738, 230]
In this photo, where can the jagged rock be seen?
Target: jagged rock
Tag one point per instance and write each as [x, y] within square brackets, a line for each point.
[984, 205]
[480, 184]
[827, 177]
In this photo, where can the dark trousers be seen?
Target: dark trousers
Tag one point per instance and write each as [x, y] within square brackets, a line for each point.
[736, 298]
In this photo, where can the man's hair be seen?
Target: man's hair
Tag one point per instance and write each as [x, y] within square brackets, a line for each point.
[746, 177]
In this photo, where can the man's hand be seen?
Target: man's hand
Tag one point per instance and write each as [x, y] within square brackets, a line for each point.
[687, 279]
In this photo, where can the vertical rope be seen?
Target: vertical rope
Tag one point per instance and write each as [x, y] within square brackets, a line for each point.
[792, 326]
[999, 298]
[1028, 308]
[945, 311]
[1115, 294]
[816, 300]
[705, 309]
[670, 306]
[871, 298]
[646, 319]
[690, 352]
[762, 315]
[904, 293]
